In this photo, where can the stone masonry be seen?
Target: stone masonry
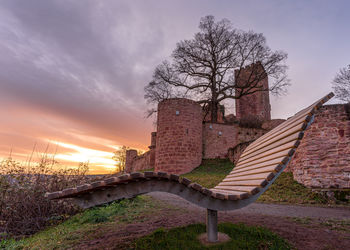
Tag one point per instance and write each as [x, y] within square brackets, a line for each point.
[179, 136]
[218, 138]
[185, 136]
[255, 105]
[323, 157]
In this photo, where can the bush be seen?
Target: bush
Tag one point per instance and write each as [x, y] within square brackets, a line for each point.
[24, 209]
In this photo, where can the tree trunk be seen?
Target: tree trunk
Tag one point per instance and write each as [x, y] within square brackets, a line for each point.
[214, 111]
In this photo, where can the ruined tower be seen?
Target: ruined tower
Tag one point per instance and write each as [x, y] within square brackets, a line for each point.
[255, 105]
[179, 136]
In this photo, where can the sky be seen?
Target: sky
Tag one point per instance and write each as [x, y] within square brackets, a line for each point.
[72, 73]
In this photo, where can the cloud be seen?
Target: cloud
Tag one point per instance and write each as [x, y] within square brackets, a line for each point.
[74, 71]
[78, 61]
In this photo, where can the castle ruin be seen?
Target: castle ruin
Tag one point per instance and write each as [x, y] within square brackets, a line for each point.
[185, 136]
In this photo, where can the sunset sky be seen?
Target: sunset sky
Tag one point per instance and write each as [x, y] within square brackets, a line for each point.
[72, 73]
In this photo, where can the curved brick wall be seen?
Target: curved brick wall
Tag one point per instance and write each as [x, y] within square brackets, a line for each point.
[179, 136]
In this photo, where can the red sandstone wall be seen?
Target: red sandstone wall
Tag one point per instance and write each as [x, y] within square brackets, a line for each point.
[129, 160]
[218, 138]
[179, 136]
[249, 134]
[235, 152]
[256, 104]
[136, 163]
[323, 158]
[268, 125]
[141, 162]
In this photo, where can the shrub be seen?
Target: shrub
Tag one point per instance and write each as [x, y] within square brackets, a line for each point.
[24, 209]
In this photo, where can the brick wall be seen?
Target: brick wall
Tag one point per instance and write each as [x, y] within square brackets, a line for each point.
[129, 160]
[249, 134]
[268, 125]
[135, 163]
[218, 138]
[323, 158]
[179, 136]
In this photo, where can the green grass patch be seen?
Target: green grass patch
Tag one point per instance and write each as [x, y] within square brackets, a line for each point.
[145, 170]
[242, 237]
[86, 224]
[286, 190]
[210, 172]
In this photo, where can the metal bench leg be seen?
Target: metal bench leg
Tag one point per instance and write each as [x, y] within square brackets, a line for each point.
[212, 225]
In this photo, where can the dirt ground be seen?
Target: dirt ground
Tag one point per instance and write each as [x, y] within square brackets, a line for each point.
[303, 232]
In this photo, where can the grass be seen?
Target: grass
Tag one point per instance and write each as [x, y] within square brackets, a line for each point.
[284, 190]
[85, 225]
[97, 222]
[242, 237]
[210, 172]
[145, 170]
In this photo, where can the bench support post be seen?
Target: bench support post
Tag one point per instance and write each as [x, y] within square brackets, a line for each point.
[212, 225]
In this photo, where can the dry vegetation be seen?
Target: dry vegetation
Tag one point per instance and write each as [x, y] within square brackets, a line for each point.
[24, 209]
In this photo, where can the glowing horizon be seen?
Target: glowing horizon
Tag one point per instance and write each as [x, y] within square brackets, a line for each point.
[99, 161]
[85, 89]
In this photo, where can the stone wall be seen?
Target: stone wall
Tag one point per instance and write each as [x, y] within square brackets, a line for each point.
[323, 158]
[129, 160]
[248, 134]
[235, 152]
[179, 136]
[135, 163]
[268, 125]
[218, 138]
[256, 105]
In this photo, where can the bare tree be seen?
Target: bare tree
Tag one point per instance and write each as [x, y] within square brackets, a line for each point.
[341, 84]
[120, 157]
[206, 67]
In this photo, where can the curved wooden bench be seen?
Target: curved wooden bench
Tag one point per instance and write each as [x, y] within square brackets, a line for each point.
[258, 167]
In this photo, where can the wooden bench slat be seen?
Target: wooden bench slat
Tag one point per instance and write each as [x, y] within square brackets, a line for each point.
[259, 165]
[267, 175]
[228, 192]
[236, 188]
[270, 153]
[294, 130]
[253, 183]
[307, 112]
[277, 131]
[282, 127]
[256, 170]
[302, 125]
[233, 195]
[276, 143]
[250, 190]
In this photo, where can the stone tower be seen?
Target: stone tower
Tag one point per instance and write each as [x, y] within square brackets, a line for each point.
[255, 105]
[179, 136]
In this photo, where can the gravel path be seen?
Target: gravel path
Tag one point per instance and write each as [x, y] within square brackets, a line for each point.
[265, 209]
